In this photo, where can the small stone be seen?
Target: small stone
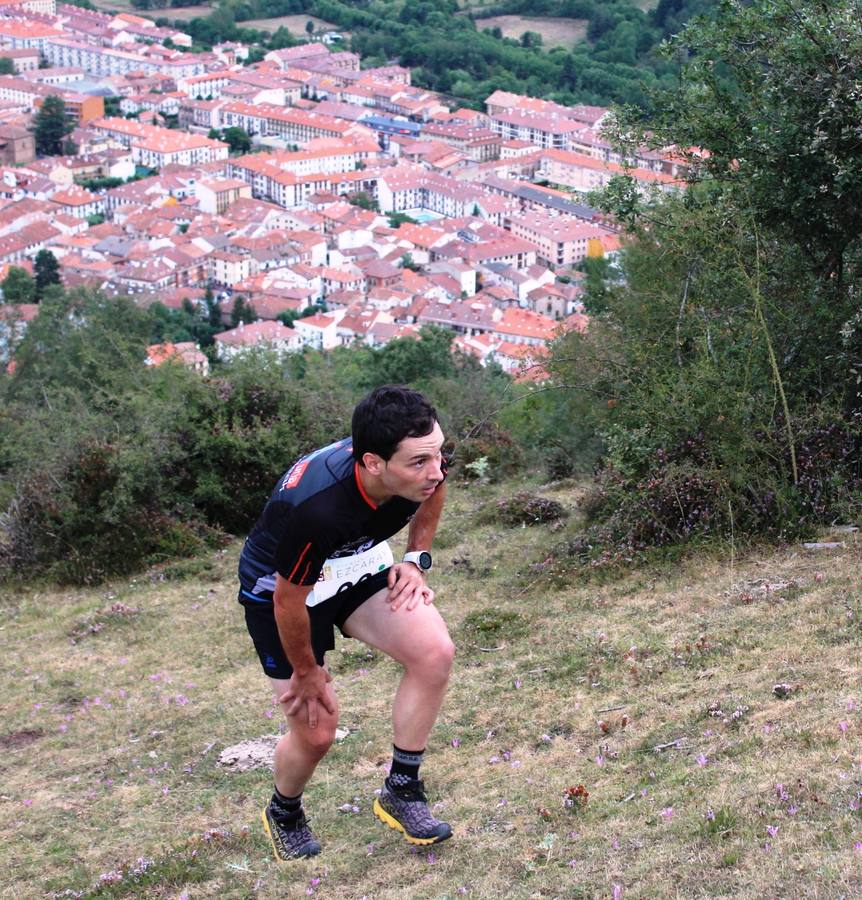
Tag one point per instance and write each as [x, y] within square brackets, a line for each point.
[783, 690]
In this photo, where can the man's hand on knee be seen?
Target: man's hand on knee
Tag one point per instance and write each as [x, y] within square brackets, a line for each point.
[407, 586]
[309, 689]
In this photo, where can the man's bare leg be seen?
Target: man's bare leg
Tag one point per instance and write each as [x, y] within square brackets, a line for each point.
[301, 749]
[296, 757]
[420, 641]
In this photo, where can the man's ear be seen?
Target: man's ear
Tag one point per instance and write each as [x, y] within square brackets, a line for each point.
[373, 463]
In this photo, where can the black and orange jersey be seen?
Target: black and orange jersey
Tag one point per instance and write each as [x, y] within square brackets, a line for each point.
[317, 510]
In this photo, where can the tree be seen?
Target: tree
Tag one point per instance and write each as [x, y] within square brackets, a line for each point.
[19, 286]
[397, 219]
[237, 139]
[364, 201]
[407, 262]
[242, 312]
[309, 28]
[768, 92]
[406, 360]
[7, 67]
[50, 127]
[720, 415]
[47, 271]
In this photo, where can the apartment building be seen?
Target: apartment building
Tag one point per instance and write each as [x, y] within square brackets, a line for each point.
[79, 107]
[156, 147]
[297, 126]
[559, 240]
[582, 173]
[27, 35]
[476, 142]
[412, 188]
[216, 195]
[41, 7]
[99, 60]
[23, 60]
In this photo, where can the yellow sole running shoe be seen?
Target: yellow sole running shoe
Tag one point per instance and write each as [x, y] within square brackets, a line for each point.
[405, 809]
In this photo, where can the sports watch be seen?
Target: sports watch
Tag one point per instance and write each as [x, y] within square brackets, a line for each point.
[420, 558]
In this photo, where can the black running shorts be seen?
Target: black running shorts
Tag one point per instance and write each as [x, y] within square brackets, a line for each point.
[260, 621]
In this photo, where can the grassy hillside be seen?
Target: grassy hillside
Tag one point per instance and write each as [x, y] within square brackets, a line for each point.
[654, 691]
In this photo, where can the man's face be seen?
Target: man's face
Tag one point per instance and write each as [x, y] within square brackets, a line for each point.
[414, 470]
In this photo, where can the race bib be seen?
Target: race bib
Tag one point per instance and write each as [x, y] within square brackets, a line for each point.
[341, 574]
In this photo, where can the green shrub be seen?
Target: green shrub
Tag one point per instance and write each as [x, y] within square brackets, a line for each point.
[522, 509]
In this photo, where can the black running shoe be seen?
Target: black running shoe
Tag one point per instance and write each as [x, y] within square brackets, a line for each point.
[406, 810]
[290, 842]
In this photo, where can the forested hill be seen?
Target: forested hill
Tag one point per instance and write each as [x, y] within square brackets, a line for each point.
[612, 55]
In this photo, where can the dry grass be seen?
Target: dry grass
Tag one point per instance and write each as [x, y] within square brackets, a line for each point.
[555, 31]
[110, 741]
[185, 13]
[294, 24]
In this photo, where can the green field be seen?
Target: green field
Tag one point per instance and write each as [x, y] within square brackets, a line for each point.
[655, 691]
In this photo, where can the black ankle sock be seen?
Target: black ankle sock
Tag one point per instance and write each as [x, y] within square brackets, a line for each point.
[284, 807]
[405, 765]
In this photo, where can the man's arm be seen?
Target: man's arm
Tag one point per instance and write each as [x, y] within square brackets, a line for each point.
[407, 581]
[308, 682]
[423, 526]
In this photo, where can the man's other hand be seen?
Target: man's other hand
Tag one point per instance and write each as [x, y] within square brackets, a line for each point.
[309, 689]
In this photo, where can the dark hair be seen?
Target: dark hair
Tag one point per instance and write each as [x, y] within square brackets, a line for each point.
[388, 415]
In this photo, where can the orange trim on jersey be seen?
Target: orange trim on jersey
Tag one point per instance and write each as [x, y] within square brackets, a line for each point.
[299, 561]
[365, 496]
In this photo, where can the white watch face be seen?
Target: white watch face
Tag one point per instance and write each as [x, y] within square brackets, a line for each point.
[421, 558]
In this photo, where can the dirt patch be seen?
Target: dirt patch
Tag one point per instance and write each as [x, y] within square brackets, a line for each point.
[257, 753]
[555, 31]
[15, 740]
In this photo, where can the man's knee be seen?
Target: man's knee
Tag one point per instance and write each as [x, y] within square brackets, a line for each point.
[316, 741]
[435, 661]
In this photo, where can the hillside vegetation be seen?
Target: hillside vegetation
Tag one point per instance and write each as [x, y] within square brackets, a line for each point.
[710, 709]
[611, 54]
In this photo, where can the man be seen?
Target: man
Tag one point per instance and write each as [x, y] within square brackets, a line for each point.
[318, 558]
